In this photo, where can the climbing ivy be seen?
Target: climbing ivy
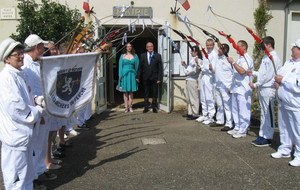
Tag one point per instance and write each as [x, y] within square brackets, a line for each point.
[262, 16]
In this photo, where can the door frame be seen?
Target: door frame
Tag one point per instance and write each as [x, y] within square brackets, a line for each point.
[164, 49]
[101, 83]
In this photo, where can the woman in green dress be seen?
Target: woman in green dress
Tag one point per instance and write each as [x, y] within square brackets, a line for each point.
[128, 67]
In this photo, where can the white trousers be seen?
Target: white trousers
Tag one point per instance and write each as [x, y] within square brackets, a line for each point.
[224, 107]
[55, 123]
[40, 142]
[241, 111]
[289, 131]
[192, 97]
[84, 114]
[17, 168]
[70, 123]
[266, 102]
[207, 96]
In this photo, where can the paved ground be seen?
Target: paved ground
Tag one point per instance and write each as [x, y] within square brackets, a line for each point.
[112, 156]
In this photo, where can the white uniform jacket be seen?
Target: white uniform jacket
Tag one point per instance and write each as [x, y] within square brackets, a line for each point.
[240, 83]
[190, 70]
[289, 90]
[18, 113]
[265, 73]
[32, 73]
[223, 73]
[213, 58]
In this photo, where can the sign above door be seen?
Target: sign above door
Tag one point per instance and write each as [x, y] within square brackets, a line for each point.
[133, 12]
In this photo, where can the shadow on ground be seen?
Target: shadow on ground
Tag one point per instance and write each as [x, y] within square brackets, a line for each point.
[82, 157]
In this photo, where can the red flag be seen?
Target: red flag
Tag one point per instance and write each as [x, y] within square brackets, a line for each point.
[185, 4]
[86, 6]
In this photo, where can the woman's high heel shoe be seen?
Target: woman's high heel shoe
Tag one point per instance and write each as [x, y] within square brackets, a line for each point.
[130, 108]
[126, 109]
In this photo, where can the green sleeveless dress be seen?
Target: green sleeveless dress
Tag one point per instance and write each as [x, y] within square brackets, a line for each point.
[127, 72]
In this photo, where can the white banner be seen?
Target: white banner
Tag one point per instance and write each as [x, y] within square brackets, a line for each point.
[68, 82]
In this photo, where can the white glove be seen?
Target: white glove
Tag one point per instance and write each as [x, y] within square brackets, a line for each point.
[38, 100]
[43, 103]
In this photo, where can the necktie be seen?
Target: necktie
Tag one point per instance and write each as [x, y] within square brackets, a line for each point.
[150, 57]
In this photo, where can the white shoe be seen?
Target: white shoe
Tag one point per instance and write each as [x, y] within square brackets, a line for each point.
[208, 121]
[232, 132]
[280, 155]
[72, 132]
[295, 162]
[65, 136]
[239, 135]
[201, 118]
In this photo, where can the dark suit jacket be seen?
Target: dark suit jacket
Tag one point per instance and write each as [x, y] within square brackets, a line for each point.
[152, 71]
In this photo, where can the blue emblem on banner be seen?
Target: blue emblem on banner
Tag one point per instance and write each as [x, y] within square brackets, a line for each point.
[68, 83]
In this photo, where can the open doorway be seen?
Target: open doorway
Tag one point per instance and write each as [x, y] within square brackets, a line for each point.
[115, 97]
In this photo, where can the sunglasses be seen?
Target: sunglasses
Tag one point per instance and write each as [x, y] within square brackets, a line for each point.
[17, 54]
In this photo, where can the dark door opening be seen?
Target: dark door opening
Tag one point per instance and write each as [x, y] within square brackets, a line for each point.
[148, 35]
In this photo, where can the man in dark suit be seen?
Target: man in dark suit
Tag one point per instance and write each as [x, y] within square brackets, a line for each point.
[150, 73]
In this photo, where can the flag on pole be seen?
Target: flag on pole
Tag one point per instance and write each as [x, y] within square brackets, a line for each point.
[185, 4]
[86, 6]
[68, 82]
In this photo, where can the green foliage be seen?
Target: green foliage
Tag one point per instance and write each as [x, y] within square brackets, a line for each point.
[255, 110]
[50, 20]
[262, 16]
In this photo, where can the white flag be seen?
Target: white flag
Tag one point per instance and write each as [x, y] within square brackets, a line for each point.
[68, 82]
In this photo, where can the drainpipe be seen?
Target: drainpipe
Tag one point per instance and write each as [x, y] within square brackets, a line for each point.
[286, 11]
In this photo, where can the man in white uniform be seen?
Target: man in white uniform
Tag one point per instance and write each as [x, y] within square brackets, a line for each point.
[224, 75]
[18, 119]
[241, 92]
[266, 92]
[207, 84]
[288, 83]
[34, 48]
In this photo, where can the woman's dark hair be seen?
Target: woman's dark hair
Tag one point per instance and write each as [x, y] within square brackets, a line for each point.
[132, 50]
[225, 48]
[199, 53]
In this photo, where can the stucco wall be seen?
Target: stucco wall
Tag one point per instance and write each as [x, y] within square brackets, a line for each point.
[179, 94]
[239, 10]
[276, 26]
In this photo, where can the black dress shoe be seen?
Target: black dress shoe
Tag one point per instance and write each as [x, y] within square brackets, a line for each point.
[154, 110]
[187, 115]
[145, 110]
[226, 128]
[216, 125]
[58, 154]
[192, 118]
[60, 149]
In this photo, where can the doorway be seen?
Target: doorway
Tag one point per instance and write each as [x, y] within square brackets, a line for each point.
[138, 39]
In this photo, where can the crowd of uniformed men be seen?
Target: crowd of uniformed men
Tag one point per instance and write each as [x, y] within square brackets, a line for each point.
[27, 132]
[230, 83]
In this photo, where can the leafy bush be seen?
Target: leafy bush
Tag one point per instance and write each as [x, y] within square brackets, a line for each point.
[50, 20]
